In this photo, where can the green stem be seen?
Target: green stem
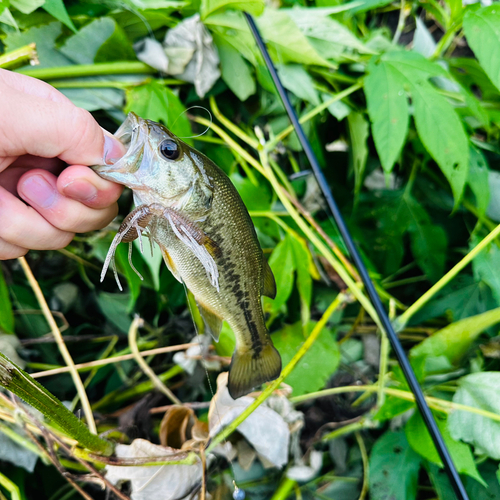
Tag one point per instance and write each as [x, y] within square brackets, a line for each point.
[97, 69]
[227, 431]
[346, 429]
[11, 487]
[19, 57]
[284, 489]
[401, 322]
[28, 389]
[99, 84]
[270, 145]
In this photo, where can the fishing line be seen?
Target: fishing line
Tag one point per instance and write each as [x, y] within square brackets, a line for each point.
[399, 352]
[205, 131]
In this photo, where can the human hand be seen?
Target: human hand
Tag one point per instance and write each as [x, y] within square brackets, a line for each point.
[40, 132]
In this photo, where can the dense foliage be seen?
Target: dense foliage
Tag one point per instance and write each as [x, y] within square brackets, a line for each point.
[401, 104]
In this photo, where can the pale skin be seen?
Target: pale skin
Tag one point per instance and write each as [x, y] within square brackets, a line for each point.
[47, 191]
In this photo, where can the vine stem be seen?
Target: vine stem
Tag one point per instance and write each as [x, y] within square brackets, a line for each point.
[437, 404]
[224, 434]
[60, 344]
[402, 320]
[132, 342]
[20, 56]
[366, 467]
[96, 69]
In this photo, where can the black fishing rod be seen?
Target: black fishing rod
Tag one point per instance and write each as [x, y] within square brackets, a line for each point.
[430, 423]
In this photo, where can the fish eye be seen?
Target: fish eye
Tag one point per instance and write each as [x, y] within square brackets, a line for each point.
[170, 150]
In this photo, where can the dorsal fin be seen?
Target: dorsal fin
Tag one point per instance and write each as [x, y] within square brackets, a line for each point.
[269, 283]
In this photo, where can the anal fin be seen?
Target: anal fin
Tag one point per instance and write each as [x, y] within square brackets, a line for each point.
[213, 324]
[269, 285]
[249, 369]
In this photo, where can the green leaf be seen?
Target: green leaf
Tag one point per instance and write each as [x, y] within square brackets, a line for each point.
[254, 7]
[443, 135]
[116, 48]
[298, 81]
[388, 111]
[26, 6]
[420, 440]
[235, 71]
[455, 340]
[6, 314]
[358, 133]
[57, 9]
[285, 41]
[437, 123]
[115, 307]
[318, 364]
[482, 30]
[428, 240]
[316, 25]
[282, 264]
[478, 179]
[254, 197]
[393, 469]
[157, 102]
[479, 390]
[485, 267]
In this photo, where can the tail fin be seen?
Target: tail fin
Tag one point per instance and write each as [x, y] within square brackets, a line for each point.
[248, 370]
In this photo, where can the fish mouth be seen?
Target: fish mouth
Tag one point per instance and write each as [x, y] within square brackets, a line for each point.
[133, 134]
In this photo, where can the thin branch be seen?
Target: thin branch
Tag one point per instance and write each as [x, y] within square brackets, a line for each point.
[112, 360]
[87, 410]
[132, 340]
[366, 469]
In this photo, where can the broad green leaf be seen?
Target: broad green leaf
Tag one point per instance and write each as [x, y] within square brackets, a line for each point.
[235, 71]
[282, 264]
[57, 9]
[26, 6]
[478, 179]
[6, 17]
[115, 307]
[443, 135]
[6, 314]
[298, 81]
[482, 30]
[388, 111]
[116, 48]
[479, 390]
[486, 265]
[82, 47]
[420, 440]
[134, 282]
[318, 364]
[254, 7]
[285, 41]
[358, 134]
[44, 37]
[153, 259]
[428, 240]
[315, 24]
[154, 101]
[394, 468]
[254, 197]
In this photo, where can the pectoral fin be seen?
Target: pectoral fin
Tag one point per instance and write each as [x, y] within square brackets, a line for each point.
[269, 285]
[202, 246]
[213, 324]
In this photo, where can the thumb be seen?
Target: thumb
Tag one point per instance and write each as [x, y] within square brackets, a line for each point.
[48, 128]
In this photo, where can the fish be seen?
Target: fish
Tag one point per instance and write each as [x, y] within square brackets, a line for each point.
[189, 207]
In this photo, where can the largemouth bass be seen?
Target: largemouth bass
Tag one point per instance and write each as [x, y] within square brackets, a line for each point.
[190, 208]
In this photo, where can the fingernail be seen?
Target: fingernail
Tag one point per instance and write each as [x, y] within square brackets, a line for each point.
[80, 190]
[113, 149]
[39, 192]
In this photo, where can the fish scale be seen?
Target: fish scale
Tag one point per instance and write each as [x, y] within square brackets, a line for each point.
[207, 239]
